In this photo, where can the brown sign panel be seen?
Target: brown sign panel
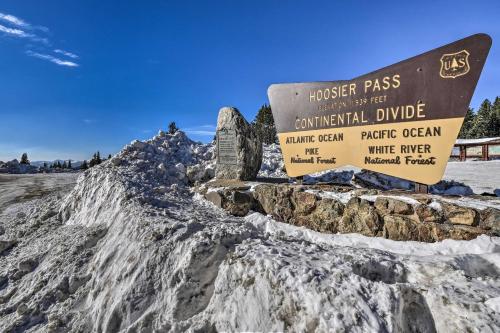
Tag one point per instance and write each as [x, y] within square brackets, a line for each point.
[401, 120]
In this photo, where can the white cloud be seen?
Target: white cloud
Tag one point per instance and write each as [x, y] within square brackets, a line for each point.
[14, 20]
[50, 58]
[15, 32]
[66, 53]
[18, 22]
[88, 121]
[17, 27]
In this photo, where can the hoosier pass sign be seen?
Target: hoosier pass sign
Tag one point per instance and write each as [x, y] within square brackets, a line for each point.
[400, 120]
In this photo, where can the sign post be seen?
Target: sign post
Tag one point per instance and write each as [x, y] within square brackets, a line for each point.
[401, 120]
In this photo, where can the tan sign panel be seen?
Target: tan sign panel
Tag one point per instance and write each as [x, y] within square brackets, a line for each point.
[400, 120]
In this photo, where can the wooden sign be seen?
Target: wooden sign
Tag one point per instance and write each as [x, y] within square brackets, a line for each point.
[400, 120]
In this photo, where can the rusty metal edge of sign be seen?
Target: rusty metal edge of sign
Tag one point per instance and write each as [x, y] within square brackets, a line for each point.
[447, 106]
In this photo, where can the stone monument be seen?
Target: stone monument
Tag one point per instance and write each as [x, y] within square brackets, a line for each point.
[239, 149]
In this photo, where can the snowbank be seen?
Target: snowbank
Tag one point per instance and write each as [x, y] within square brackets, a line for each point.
[130, 249]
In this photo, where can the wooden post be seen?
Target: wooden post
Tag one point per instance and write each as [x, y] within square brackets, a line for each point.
[485, 152]
[463, 153]
[421, 188]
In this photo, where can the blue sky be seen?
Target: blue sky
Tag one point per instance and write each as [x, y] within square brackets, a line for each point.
[81, 76]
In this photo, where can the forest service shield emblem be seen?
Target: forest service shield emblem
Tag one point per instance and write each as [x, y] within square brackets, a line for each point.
[454, 64]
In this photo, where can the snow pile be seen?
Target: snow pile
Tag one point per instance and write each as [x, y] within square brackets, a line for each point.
[335, 177]
[131, 249]
[272, 162]
[163, 159]
[17, 168]
[386, 182]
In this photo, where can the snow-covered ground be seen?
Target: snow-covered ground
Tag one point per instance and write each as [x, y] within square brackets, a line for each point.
[481, 176]
[18, 188]
[131, 249]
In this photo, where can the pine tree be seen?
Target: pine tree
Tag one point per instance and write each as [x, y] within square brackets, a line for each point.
[69, 165]
[59, 166]
[45, 165]
[65, 166]
[24, 159]
[172, 128]
[84, 165]
[109, 156]
[482, 127]
[496, 116]
[467, 124]
[98, 158]
[93, 160]
[264, 125]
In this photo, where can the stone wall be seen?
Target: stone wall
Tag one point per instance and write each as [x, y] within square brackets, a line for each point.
[415, 217]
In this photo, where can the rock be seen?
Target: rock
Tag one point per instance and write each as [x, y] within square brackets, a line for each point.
[248, 147]
[403, 228]
[424, 199]
[326, 216]
[451, 187]
[460, 215]
[6, 245]
[2, 230]
[426, 213]
[386, 205]
[399, 228]
[305, 202]
[27, 265]
[237, 203]
[490, 220]
[215, 198]
[364, 191]
[360, 217]
[463, 232]
[265, 194]
[283, 210]
[22, 309]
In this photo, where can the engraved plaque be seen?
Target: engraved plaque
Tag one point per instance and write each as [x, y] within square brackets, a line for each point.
[226, 147]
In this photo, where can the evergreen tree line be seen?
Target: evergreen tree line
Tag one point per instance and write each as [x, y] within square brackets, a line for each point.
[485, 123]
[96, 159]
[264, 126]
[58, 165]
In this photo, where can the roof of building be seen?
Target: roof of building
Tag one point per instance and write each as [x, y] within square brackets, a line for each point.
[477, 142]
